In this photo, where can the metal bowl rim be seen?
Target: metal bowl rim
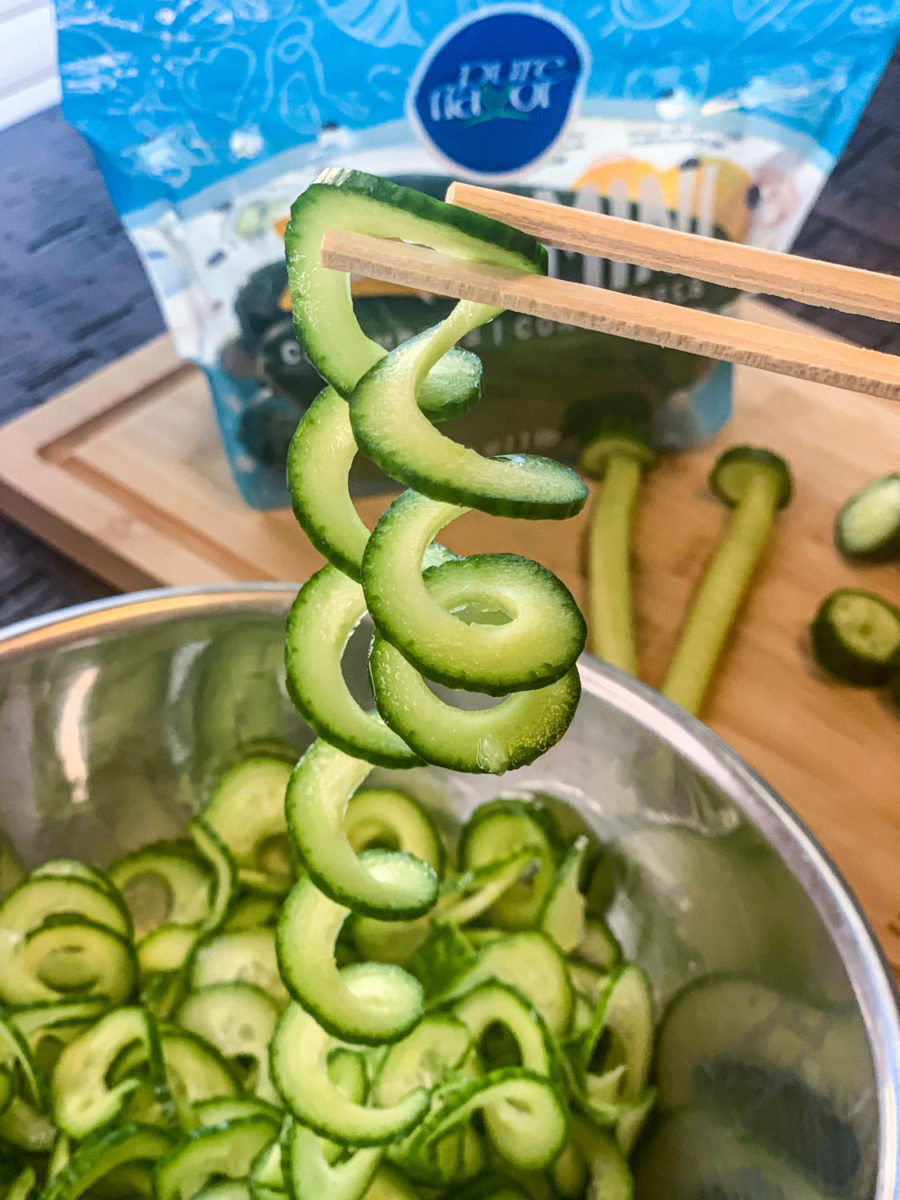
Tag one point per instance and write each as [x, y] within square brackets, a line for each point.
[866, 967]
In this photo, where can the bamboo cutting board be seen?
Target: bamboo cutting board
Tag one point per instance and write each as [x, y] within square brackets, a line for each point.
[125, 473]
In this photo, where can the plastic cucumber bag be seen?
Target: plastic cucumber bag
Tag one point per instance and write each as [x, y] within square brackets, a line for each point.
[722, 116]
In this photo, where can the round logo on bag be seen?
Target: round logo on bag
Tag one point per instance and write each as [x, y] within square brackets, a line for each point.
[495, 91]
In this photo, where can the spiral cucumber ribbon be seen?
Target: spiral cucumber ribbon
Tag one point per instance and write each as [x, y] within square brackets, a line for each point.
[419, 597]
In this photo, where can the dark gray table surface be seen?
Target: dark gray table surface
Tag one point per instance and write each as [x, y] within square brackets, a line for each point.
[73, 295]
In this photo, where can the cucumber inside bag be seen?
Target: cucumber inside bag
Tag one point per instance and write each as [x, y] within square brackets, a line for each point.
[207, 119]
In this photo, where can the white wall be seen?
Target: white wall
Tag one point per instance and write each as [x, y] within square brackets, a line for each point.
[29, 80]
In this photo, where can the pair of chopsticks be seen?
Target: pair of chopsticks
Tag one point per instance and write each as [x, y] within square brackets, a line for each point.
[713, 335]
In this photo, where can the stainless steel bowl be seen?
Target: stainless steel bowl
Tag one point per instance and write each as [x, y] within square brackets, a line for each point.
[116, 716]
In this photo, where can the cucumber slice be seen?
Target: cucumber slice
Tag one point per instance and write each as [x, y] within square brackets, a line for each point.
[523, 1115]
[208, 1154]
[165, 883]
[63, 956]
[543, 633]
[319, 460]
[327, 610]
[25, 1127]
[246, 808]
[562, 916]
[625, 1012]
[867, 528]
[598, 947]
[194, 1069]
[103, 1154]
[493, 740]
[242, 956]
[312, 1177]
[736, 470]
[83, 1100]
[299, 1056]
[211, 846]
[323, 311]
[41, 899]
[369, 1003]
[18, 1063]
[219, 1110]
[610, 1178]
[856, 637]
[387, 819]
[437, 1047]
[73, 868]
[391, 429]
[502, 825]
[166, 949]
[697, 1154]
[317, 796]
[790, 1074]
[493, 1003]
[238, 1019]
[531, 963]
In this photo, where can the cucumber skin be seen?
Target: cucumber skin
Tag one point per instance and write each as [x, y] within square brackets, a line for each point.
[833, 656]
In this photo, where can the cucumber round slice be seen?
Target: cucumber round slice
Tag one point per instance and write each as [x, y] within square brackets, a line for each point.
[523, 1115]
[609, 1173]
[238, 1020]
[322, 783]
[370, 1003]
[64, 956]
[391, 429]
[544, 631]
[208, 1154]
[511, 734]
[624, 1011]
[736, 468]
[328, 608]
[312, 1177]
[166, 883]
[318, 464]
[323, 310]
[246, 807]
[299, 1053]
[856, 637]
[99, 1156]
[211, 846]
[867, 528]
[220, 1109]
[384, 818]
[493, 1003]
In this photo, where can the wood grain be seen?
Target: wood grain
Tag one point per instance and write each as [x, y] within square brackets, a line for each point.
[786, 351]
[732, 264]
[125, 473]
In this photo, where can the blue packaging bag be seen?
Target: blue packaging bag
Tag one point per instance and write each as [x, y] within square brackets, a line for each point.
[207, 118]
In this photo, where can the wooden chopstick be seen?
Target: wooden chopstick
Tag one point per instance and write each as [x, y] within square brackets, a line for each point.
[711, 334]
[748, 268]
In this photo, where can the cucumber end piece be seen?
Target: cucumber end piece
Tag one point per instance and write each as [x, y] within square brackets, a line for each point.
[737, 467]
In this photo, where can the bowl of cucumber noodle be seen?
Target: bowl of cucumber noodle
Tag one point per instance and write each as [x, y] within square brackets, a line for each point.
[378, 886]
